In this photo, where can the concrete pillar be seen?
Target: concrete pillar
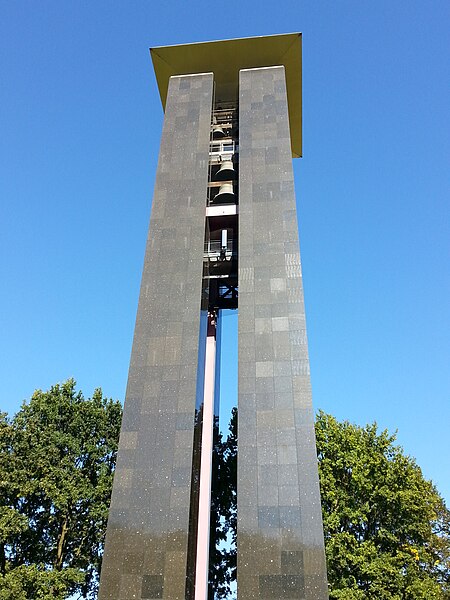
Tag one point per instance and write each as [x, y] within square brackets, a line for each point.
[280, 535]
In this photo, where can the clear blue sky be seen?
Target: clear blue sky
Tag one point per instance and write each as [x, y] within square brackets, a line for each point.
[80, 121]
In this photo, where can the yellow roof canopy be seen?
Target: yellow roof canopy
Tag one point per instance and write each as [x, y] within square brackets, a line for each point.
[226, 58]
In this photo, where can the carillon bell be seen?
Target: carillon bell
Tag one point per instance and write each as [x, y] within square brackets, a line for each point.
[226, 171]
[225, 193]
[218, 132]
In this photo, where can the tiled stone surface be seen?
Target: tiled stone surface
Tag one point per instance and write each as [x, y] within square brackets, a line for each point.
[146, 543]
[280, 536]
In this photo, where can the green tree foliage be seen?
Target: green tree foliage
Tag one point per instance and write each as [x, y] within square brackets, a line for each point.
[222, 564]
[387, 530]
[57, 458]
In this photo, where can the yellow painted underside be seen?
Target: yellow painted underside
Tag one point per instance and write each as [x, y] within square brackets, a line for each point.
[225, 59]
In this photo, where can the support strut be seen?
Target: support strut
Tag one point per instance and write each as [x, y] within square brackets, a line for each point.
[204, 508]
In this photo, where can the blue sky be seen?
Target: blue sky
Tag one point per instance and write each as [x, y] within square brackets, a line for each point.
[80, 122]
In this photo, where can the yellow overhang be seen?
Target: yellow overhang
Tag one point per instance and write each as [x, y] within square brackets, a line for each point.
[225, 59]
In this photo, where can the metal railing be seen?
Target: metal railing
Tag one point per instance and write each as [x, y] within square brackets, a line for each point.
[227, 147]
[214, 248]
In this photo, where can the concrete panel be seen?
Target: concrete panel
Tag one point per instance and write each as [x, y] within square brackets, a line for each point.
[280, 536]
[147, 536]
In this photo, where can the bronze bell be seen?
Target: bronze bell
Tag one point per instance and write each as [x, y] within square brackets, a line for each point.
[225, 194]
[226, 171]
[218, 132]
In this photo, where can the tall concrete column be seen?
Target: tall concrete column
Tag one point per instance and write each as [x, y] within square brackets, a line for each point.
[280, 536]
[147, 537]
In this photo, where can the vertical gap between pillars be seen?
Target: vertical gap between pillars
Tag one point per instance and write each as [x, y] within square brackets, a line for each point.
[204, 503]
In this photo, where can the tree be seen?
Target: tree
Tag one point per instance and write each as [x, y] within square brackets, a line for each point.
[223, 558]
[57, 458]
[387, 529]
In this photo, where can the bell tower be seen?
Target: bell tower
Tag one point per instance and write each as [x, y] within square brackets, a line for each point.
[223, 235]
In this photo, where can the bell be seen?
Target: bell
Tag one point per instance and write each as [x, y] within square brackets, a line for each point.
[226, 170]
[218, 132]
[225, 194]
